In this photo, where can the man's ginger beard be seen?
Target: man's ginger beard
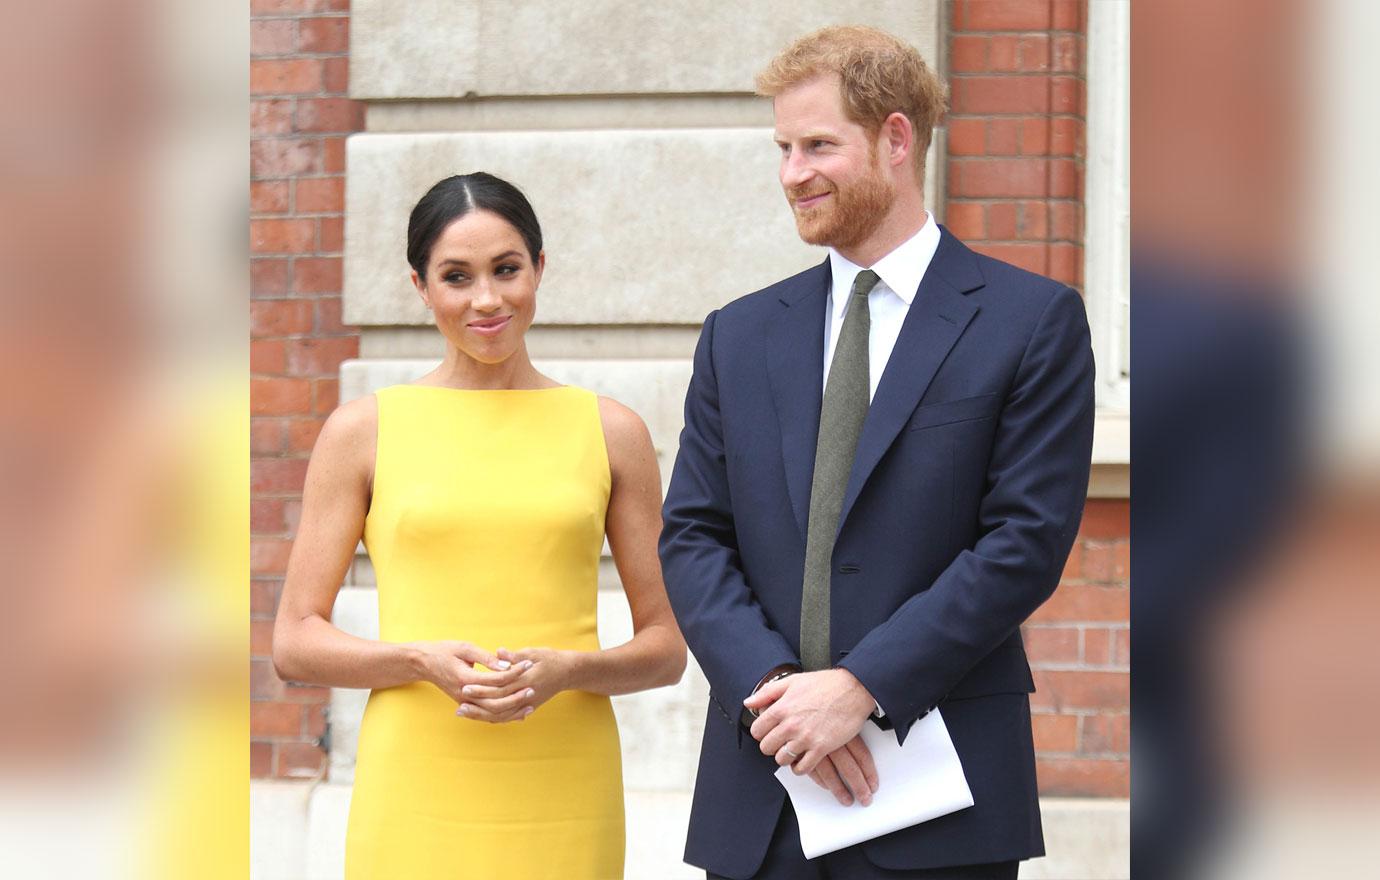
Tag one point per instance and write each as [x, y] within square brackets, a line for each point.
[851, 215]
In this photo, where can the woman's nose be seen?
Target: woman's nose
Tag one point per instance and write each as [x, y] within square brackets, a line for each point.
[486, 299]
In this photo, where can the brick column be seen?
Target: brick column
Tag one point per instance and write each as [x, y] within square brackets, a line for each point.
[1079, 645]
[1016, 132]
[299, 117]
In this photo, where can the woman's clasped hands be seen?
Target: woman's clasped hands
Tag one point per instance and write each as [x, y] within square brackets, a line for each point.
[509, 686]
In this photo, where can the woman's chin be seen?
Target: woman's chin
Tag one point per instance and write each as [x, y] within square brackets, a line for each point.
[489, 355]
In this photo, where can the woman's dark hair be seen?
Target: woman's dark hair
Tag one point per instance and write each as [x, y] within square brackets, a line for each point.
[456, 196]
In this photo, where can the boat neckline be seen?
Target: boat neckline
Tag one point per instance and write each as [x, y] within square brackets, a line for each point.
[485, 390]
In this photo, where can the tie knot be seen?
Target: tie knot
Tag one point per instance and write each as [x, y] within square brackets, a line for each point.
[863, 284]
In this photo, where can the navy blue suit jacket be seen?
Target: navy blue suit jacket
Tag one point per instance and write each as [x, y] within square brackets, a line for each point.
[963, 502]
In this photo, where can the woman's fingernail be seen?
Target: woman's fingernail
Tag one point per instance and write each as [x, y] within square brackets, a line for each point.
[464, 709]
[503, 664]
[530, 710]
[530, 693]
[525, 665]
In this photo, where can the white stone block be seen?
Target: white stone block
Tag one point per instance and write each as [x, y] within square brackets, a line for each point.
[278, 830]
[566, 112]
[656, 826]
[426, 48]
[326, 823]
[361, 572]
[1085, 839]
[615, 618]
[357, 612]
[640, 226]
[463, 48]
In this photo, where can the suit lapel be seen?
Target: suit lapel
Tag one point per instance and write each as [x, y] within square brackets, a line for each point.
[937, 318]
[795, 367]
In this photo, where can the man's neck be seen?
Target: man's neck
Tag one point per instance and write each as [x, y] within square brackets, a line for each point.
[905, 218]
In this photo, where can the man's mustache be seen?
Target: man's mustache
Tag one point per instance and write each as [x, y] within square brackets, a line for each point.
[796, 195]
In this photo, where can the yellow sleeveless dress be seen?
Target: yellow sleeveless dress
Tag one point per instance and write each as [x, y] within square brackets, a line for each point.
[486, 526]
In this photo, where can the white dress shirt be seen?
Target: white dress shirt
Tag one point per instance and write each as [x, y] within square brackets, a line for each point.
[887, 304]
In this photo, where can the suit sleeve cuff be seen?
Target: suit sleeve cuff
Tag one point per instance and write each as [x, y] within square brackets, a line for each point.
[876, 680]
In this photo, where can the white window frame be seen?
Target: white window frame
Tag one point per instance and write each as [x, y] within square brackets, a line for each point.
[1107, 206]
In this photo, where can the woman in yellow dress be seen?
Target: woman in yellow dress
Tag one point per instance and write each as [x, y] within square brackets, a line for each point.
[483, 493]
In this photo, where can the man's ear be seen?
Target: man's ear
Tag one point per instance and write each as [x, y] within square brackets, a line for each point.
[898, 139]
[418, 283]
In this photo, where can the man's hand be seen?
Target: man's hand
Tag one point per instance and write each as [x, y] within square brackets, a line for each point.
[807, 716]
[848, 773]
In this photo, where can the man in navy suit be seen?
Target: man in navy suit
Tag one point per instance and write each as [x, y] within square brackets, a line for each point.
[882, 471]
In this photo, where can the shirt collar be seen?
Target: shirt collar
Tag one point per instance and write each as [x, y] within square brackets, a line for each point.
[900, 270]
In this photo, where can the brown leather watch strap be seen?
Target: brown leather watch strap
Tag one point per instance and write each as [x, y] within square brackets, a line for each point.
[776, 672]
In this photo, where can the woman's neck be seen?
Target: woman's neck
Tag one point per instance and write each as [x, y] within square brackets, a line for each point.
[459, 370]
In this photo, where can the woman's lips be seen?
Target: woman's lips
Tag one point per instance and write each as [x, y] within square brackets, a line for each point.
[490, 326]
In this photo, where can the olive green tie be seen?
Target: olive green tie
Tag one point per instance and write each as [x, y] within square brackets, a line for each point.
[841, 418]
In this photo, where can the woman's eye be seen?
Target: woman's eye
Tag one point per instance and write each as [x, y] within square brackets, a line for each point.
[453, 277]
[507, 269]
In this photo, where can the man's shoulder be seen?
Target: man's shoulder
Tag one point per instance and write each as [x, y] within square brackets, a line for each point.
[999, 274]
[1005, 288]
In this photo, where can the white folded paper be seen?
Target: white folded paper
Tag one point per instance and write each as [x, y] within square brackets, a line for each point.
[919, 781]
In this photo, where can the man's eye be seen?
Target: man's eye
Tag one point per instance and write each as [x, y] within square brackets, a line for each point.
[817, 144]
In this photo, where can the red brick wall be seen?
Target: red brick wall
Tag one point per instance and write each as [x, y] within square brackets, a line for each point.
[1014, 174]
[1016, 132]
[299, 117]
[1079, 644]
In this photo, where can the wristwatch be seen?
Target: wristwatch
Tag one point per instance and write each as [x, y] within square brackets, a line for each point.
[776, 674]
